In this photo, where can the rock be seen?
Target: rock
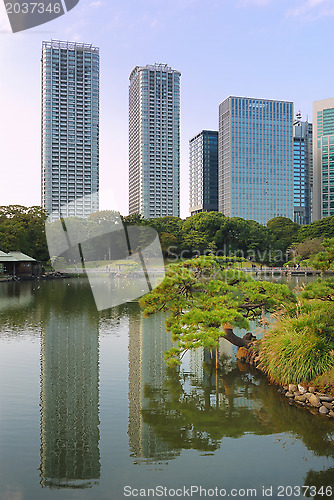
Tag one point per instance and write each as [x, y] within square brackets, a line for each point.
[331, 413]
[328, 399]
[308, 395]
[314, 401]
[301, 398]
[327, 405]
[311, 389]
[292, 388]
[242, 354]
[323, 410]
[285, 387]
[289, 394]
[314, 411]
[301, 389]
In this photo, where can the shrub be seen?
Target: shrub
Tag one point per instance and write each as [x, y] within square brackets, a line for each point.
[299, 349]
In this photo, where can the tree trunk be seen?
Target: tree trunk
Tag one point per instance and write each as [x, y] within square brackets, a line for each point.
[234, 339]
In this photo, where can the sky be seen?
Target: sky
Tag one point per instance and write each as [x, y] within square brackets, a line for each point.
[275, 49]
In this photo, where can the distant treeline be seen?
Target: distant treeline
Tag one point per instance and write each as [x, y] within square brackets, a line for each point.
[23, 229]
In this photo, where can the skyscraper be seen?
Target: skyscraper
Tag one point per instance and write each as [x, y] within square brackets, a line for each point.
[255, 156]
[302, 160]
[323, 159]
[154, 141]
[70, 128]
[203, 172]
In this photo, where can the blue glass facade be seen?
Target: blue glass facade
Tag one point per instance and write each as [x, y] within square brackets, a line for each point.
[302, 158]
[256, 158]
[323, 154]
[203, 172]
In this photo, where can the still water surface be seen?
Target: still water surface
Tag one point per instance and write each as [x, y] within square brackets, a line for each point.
[87, 407]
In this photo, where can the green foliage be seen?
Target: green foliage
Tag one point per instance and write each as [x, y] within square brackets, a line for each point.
[202, 297]
[320, 289]
[305, 249]
[236, 233]
[22, 229]
[284, 230]
[133, 220]
[169, 243]
[300, 348]
[325, 260]
[323, 228]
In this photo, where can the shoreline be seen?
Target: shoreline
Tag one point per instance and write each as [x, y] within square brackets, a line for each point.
[304, 396]
[42, 277]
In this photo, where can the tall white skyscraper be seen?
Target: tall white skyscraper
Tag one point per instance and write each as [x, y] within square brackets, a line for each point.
[70, 128]
[154, 141]
[323, 159]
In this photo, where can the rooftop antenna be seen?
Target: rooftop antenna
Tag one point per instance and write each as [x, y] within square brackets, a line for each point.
[298, 118]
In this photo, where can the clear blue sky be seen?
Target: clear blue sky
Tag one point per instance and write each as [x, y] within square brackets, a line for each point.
[277, 49]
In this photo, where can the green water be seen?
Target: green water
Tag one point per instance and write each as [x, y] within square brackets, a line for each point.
[87, 407]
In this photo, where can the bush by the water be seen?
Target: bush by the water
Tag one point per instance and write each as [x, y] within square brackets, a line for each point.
[300, 346]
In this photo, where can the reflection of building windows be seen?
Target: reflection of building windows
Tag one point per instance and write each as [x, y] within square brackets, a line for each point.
[148, 341]
[70, 455]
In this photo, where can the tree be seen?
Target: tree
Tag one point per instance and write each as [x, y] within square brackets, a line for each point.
[305, 249]
[237, 235]
[284, 230]
[169, 243]
[168, 224]
[23, 229]
[323, 228]
[133, 220]
[206, 302]
[325, 260]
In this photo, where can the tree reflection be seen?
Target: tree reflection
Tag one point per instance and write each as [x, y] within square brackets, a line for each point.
[192, 412]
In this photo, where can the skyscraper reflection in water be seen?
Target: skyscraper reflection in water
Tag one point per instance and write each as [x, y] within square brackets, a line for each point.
[148, 341]
[70, 456]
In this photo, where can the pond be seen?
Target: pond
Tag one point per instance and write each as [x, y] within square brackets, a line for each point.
[88, 410]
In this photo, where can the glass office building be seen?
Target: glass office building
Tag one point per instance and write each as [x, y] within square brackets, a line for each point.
[203, 172]
[255, 158]
[154, 141]
[323, 159]
[70, 128]
[303, 174]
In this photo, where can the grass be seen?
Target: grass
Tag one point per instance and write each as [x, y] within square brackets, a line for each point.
[325, 382]
[301, 348]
